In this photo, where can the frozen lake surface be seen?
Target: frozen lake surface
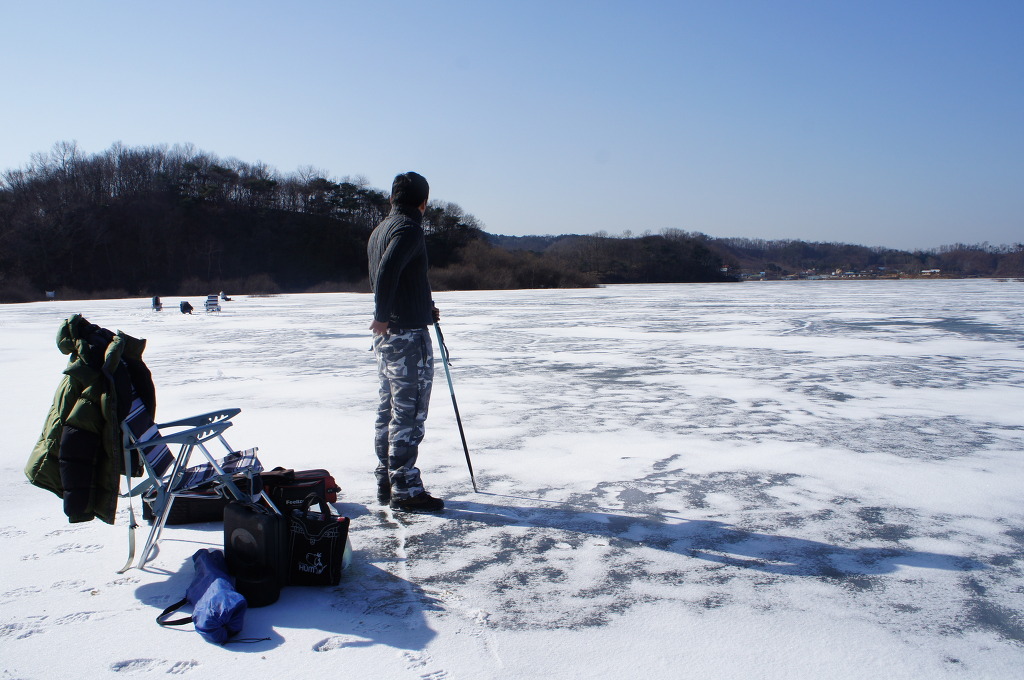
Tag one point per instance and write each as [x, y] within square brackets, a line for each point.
[759, 480]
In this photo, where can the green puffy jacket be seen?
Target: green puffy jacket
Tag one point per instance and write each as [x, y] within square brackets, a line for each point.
[79, 455]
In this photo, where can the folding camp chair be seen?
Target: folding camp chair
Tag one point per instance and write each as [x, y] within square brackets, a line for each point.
[212, 303]
[168, 475]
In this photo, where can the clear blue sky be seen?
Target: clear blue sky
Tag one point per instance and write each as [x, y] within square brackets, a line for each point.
[889, 123]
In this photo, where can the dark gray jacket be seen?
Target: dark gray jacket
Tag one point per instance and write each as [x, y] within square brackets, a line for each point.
[398, 270]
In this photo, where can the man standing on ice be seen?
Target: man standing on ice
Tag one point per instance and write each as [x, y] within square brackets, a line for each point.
[403, 312]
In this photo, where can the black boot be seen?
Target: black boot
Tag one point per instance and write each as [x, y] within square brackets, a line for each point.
[421, 502]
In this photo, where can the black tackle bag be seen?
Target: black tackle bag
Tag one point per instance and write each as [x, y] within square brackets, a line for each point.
[288, 488]
[318, 545]
[202, 505]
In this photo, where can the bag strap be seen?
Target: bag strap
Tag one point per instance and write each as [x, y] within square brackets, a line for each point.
[256, 507]
[312, 498]
[132, 525]
[170, 610]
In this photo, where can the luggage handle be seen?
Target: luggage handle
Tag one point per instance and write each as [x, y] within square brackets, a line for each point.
[288, 474]
[309, 501]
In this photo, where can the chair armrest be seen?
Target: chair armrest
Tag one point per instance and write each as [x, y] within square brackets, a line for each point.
[193, 435]
[204, 419]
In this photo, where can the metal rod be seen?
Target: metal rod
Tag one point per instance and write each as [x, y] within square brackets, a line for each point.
[455, 404]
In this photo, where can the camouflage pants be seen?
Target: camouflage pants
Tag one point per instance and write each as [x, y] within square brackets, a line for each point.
[405, 365]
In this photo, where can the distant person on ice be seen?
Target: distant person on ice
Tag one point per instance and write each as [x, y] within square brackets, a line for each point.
[185, 307]
[403, 312]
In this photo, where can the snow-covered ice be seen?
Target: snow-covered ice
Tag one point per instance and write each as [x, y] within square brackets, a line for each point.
[765, 480]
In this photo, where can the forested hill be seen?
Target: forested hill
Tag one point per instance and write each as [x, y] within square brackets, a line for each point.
[179, 221]
[155, 221]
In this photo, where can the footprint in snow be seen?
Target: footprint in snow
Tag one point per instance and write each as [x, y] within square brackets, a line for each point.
[18, 593]
[74, 548]
[181, 667]
[332, 643]
[418, 662]
[19, 630]
[68, 584]
[61, 532]
[81, 617]
[147, 665]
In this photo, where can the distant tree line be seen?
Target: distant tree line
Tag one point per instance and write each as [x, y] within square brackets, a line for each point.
[180, 221]
[670, 257]
[644, 256]
[790, 258]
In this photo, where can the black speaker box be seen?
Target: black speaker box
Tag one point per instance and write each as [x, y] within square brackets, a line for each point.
[256, 551]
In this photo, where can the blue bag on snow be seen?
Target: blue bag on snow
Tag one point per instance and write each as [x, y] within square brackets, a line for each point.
[218, 610]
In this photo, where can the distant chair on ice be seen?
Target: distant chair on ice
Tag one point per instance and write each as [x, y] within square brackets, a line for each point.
[212, 303]
[157, 305]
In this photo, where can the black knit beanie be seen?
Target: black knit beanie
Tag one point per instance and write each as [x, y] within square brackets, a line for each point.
[409, 189]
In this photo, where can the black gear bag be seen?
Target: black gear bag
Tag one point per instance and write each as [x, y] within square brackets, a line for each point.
[289, 488]
[317, 545]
